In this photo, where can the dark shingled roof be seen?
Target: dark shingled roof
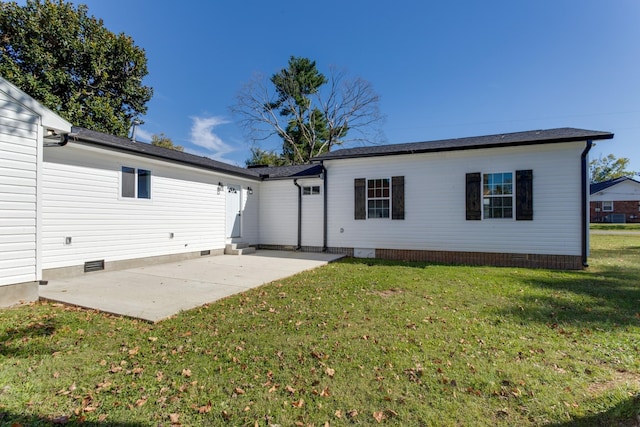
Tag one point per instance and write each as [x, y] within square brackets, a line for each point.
[599, 186]
[501, 140]
[140, 148]
[294, 171]
[92, 137]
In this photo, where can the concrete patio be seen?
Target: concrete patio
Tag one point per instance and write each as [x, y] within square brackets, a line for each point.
[159, 291]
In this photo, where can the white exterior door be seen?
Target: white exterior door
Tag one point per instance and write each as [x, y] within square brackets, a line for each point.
[234, 202]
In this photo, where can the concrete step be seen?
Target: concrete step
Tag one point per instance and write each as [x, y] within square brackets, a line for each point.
[238, 249]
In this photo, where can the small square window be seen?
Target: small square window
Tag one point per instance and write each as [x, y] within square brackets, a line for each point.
[607, 206]
[135, 183]
[311, 190]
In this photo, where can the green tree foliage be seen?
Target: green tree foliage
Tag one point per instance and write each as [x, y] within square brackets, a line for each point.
[309, 111]
[161, 140]
[71, 63]
[609, 167]
[265, 158]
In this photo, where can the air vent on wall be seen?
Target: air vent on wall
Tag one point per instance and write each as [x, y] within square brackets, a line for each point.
[207, 252]
[93, 266]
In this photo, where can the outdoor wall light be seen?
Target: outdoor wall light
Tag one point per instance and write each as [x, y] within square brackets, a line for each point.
[250, 190]
[220, 187]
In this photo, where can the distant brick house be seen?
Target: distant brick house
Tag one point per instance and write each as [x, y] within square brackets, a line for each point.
[616, 200]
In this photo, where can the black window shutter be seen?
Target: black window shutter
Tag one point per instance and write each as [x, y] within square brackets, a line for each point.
[397, 194]
[473, 204]
[360, 191]
[524, 195]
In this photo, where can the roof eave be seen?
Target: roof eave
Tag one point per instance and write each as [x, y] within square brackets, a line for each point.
[87, 140]
[328, 156]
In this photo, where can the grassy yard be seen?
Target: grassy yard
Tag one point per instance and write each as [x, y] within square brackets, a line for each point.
[617, 227]
[352, 343]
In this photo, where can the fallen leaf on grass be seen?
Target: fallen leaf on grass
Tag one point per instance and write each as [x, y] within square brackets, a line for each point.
[141, 402]
[174, 418]
[298, 404]
[379, 416]
[186, 373]
[205, 409]
[331, 372]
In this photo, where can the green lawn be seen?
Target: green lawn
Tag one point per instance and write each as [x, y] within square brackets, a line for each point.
[352, 343]
[618, 227]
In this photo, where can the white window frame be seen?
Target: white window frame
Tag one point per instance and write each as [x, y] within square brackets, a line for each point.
[136, 175]
[604, 209]
[310, 190]
[378, 198]
[486, 197]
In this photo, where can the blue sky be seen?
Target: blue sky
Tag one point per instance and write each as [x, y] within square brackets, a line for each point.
[443, 69]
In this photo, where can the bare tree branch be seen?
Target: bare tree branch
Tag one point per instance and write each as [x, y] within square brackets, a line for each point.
[309, 118]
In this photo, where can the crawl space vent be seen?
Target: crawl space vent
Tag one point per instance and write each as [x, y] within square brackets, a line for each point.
[93, 266]
[207, 252]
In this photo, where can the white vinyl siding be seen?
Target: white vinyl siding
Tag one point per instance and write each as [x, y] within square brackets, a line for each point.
[103, 225]
[435, 202]
[279, 213]
[623, 191]
[19, 135]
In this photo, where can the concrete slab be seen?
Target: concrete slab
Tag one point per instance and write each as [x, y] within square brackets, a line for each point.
[159, 291]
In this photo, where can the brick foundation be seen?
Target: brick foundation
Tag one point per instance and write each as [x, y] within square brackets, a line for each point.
[556, 262]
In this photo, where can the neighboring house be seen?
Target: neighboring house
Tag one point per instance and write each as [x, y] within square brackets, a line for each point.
[82, 201]
[616, 200]
[25, 128]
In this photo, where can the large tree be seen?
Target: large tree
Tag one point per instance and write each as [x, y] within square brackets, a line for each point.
[309, 111]
[609, 167]
[72, 64]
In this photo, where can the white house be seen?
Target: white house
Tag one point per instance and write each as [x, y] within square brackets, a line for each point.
[109, 202]
[518, 199]
[25, 128]
[79, 201]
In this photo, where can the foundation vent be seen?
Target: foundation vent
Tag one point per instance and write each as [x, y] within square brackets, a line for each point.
[93, 266]
[207, 252]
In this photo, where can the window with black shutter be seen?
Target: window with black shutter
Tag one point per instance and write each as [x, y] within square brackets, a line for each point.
[498, 195]
[379, 198]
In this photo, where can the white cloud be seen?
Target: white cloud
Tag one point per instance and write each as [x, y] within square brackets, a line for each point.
[203, 135]
[143, 135]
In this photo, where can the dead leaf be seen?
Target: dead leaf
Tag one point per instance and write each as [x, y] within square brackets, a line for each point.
[331, 372]
[298, 404]
[325, 392]
[141, 402]
[153, 339]
[205, 409]
[338, 413]
[352, 413]
[290, 389]
[238, 390]
[379, 416]
[274, 388]
[174, 418]
[186, 373]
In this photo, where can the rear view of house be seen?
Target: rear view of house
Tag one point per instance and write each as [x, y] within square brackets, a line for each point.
[25, 127]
